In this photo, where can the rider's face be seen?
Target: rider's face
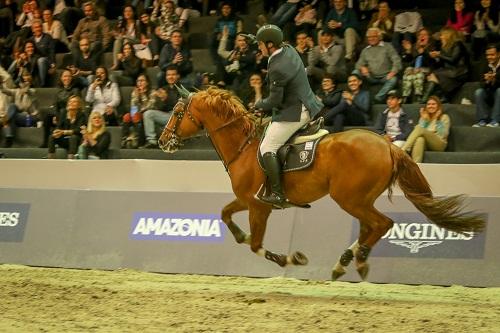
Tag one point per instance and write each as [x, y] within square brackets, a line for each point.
[263, 49]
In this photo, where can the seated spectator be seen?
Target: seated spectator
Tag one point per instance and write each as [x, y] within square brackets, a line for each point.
[45, 47]
[84, 62]
[239, 63]
[129, 64]
[94, 27]
[234, 25]
[132, 125]
[306, 18]
[303, 45]
[329, 94]
[67, 133]
[126, 32]
[56, 30]
[487, 27]
[29, 60]
[67, 88]
[326, 57]
[461, 18]
[384, 20]
[378, 63]
[159, 110]
[431, 132]
[178, 54]
[353, 108]
[451, 65]
[95, 139]
[406, 25]
[488, 96]
[149, 38]
[393, 122]
[254, 91]
[344, 23]
[104, 96]
[23, 109]
[165, 18]
[419, 63]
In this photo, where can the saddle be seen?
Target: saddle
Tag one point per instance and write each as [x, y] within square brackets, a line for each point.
[299, 151]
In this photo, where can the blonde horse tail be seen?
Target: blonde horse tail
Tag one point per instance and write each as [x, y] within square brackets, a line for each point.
[447, 212]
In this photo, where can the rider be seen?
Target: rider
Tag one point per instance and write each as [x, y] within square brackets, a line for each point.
[290, 99]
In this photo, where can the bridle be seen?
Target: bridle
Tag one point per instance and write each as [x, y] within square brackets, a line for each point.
[175, 141]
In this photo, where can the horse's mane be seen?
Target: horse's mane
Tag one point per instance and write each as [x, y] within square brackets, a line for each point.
[226, 106]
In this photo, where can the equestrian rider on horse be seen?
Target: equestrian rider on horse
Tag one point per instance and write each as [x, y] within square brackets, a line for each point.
[290, 99]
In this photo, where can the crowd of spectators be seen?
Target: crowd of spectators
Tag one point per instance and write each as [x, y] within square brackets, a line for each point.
[354, 44]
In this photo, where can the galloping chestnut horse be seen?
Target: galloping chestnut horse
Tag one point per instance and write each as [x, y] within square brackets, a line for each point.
[354, 167]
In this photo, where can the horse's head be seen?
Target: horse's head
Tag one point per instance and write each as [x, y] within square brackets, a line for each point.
[178, 127]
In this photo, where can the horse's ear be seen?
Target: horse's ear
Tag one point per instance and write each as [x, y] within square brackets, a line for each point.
[182, 91]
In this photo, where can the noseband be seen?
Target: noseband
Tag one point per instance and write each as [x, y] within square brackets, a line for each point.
[175, 141]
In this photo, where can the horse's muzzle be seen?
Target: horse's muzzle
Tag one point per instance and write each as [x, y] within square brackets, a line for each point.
[170, 145]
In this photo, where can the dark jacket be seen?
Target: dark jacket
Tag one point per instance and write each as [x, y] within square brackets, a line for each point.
[405, 124]
[65, 124]
[167, 55]
[62, 96]
[45, 47]
[485, 68]
[289, 88]
[101, 148]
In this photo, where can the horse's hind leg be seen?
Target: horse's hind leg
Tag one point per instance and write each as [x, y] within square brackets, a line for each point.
[373, 225]
[227, 213]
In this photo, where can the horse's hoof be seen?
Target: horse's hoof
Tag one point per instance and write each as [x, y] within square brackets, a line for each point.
[337, 274]
[299, 258]
[363, 271]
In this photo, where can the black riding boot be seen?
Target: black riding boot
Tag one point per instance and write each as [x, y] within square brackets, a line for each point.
[429, 90]
[273, 171]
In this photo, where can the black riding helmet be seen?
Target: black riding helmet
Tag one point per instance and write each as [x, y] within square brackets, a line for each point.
[270, 33]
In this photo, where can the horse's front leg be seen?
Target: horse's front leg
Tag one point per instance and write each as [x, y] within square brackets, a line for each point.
[227, 213]
[258, 222]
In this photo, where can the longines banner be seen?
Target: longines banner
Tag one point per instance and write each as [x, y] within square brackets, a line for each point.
[182, 232]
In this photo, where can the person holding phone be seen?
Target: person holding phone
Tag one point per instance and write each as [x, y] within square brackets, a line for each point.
[104, 96]
[431, 132]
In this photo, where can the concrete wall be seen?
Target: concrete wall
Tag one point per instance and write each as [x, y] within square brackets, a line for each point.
[163, 216]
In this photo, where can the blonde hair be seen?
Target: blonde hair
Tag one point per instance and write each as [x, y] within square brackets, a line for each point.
[454, 37]
[95, 132]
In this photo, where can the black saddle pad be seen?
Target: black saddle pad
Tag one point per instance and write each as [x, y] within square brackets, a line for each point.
[295, 157]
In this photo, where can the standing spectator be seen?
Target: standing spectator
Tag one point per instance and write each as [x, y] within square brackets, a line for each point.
[126, 32]
[487, 27]
[461, 17]
[393, 122]
[303, 45]
[327, 57]
[158, 112]
[232, 23]
[129, 64]
[419, 63]
[23, 111]
[67, 88]
[353, 108]
[452, 63]
[344, 23]
[384, 20]
[104, 96]
[95, 139]
[239, 63]
[84, 62]
[45, 46]
[132, 126]
[176, 53]
[67, 133]
[94, 27]
[56, 30]
[488, 96]
[379, 63]
[431, 132]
